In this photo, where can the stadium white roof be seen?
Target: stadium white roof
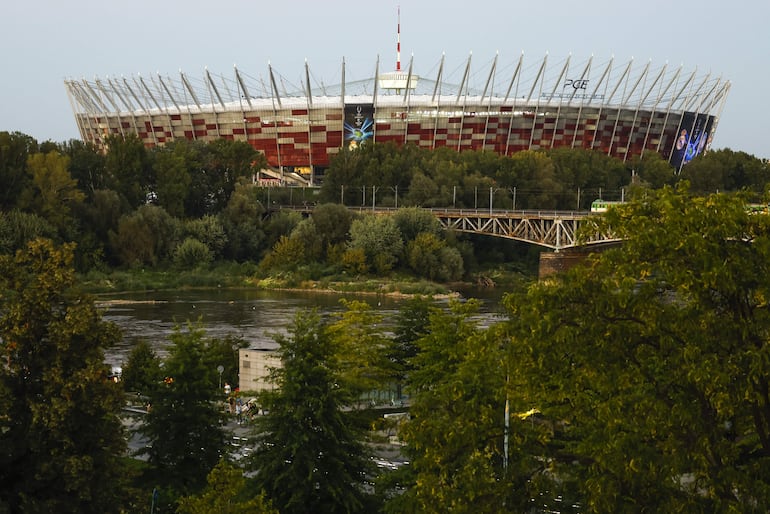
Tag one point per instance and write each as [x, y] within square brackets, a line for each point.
[560, 81]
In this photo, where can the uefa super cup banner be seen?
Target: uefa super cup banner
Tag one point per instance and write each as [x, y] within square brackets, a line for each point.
[359, 123]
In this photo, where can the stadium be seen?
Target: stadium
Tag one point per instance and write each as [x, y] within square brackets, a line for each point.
[623, 109]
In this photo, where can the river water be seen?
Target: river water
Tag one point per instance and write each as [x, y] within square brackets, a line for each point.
[255, 316]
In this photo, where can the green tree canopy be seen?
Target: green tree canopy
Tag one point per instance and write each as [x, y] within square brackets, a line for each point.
[184, 421]
[456, 432]
[146, 236]
[653, 359]
[379, 238]
[53, 192]
[227, 492]
[61, 440]
[172, 166]
[309, 456]
[15, 148]
[128, 168]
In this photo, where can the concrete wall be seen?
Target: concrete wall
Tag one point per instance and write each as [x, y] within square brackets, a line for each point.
[254, 368]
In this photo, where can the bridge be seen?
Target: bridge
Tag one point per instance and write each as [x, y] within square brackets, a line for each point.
[556, 230]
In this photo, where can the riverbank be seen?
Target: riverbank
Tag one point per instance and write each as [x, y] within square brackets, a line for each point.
[244, 276]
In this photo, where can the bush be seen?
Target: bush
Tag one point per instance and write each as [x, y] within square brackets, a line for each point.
[192, 254]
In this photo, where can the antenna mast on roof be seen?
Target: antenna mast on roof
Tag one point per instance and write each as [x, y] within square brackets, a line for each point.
[398, 80]
[398, 41]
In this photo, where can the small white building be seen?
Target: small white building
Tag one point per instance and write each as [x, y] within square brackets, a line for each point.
[254, 368]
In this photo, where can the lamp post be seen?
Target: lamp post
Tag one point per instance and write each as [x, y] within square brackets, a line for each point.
[220, 368]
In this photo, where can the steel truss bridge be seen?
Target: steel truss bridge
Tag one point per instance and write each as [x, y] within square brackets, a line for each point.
[556, 230]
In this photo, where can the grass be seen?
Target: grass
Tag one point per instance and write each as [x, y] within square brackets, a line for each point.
[248, 275]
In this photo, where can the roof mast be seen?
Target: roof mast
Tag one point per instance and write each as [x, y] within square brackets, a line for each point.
[398, 80]
[398, 41]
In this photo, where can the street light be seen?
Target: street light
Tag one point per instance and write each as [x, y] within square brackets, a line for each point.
[220, 368]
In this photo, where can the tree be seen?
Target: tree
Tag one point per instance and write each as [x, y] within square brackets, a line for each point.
[86, 166]
[591, 172]
[726, 170]
[128, 168]
[412, 221]
[172, 177]
[455, 434]
[15, 148]
[146, 236]
[226, 162]
[210, 231]
[652, 359]
[412, 321]
[184, 421]
[53, 192]
[361, 349]
[430, 257]
[243, 225]
[287, 255]
[227, 492]
[332, 223]
[61, 440]
[142, 372]
[652, 170]
[379, 238]
[192, 254]
[536, 180]
[309, 455]
[17, 228]
[224, 352]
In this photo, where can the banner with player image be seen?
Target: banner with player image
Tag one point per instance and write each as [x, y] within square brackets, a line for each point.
[359, 124]
[693, 138]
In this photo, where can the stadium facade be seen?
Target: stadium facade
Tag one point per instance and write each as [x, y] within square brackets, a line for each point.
[620, 108]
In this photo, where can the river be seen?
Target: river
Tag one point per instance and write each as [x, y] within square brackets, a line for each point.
[250, 314]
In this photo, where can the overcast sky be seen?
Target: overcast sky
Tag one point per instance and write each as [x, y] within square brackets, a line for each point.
[45, 42]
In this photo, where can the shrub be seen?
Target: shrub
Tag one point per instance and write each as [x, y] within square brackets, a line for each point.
[192, 254]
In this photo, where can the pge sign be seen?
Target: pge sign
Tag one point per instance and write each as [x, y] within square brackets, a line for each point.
[576, 84]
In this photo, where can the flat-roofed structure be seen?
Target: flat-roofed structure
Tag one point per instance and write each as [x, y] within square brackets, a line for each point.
[254, 367]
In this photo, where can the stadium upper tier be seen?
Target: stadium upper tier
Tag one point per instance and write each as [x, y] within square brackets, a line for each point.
[622, 109]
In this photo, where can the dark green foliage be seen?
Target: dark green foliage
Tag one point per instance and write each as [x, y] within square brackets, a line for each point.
[413, 221]
[456, 433]
[412, 322]
[127, 166]
[145, 237]
[210, 231]
[332, 223]
[652, 171]
[310, 457]
[87, 166]
[183, 423]
[142, 371]
[15, 148]
[191, 254]
[650, 361]
[53, 193]
[224, 352]
[726, 170]
[172, 166]
[242, 223]
[61, 439]
[17, 228]
[226, 162]
[227, 492]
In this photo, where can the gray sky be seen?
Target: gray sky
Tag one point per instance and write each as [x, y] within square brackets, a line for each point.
[45, 42]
